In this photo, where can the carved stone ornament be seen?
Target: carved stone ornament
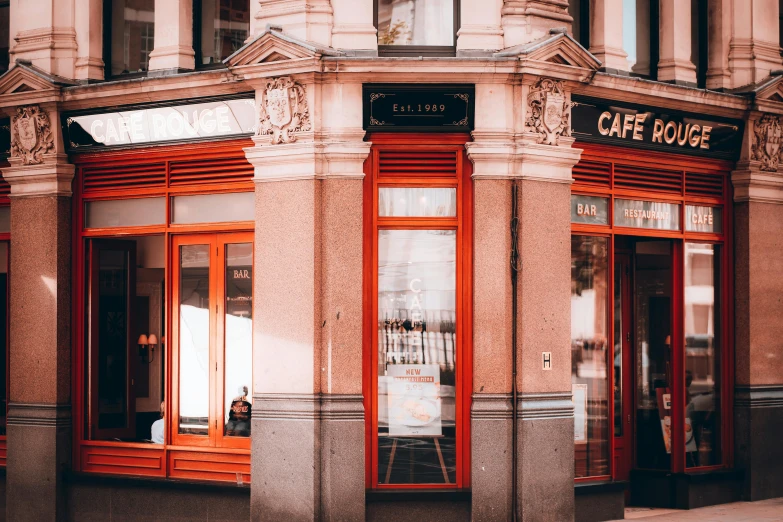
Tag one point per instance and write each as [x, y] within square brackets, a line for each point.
[549, 112]
[283, 110]
[766, 142]
[31, 135]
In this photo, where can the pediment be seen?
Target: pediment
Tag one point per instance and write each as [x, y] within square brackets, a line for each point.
[557, 48]
[25, 78]
[275, 46]
[771, 89]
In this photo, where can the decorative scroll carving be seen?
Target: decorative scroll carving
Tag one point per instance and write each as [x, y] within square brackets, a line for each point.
[549, 111]
[283, 110]
[31, 135]
[766, 142]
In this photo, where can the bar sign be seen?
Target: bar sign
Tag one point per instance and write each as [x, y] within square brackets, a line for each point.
[547, 360]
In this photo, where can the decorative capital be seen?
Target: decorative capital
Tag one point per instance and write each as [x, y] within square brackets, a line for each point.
[31, 135]
[283, 110]
[548, 111]
[766, 142]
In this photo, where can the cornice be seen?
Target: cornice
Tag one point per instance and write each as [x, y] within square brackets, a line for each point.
[751, 184]
[53, 177]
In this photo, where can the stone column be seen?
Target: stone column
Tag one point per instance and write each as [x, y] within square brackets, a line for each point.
[89, 39]
[480, 28]
[492, 154]
[308, 415]
[310, 20]
[173, 36]
[353, 26]
[754, 50]
[674, 63]
[528, 20]
[758, 258]
[39, 409]
[43, 32]
[606, 34]
[719, 21]
[545, 446]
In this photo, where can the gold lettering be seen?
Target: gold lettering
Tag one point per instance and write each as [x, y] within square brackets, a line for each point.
[604, 116]
[616, 126]
[673, 127]
[658, 131]
[693, 138]
[682, 137]
[705, 137]
[626, 212]
[592, 210]
[638, 126]
[709, 218]
[627, 123]
[395, 107]
[579, 209]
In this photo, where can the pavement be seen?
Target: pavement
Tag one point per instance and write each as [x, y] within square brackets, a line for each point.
[761, 511]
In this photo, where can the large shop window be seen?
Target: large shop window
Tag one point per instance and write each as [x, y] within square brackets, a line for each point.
[129, 35]
[165, 344]
[220, 27]
[650, 302]
[419, 241]
[417, 27]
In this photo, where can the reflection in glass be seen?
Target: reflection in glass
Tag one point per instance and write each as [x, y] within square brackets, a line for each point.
[224, 28]
[702, 355]
[238, 394]
[213, 208]
[589, 352]
[417, 202]
[416, 22]
[132, 35]
[618, 350]
[125, 212]
[416, 356]
[636, 35]
[194, 339]
[112, 320]
[653, 301]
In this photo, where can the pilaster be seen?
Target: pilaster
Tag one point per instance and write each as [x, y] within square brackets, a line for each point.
[528, 20]
[719, 29]
[43, 32]
[758, 261]
[308, 340]
[39, 413]
[353, 26]
[89, 40]
[606, 34]
[480, 27]
[310, 20]
[754, 50]
[173, 36]
[674, 64]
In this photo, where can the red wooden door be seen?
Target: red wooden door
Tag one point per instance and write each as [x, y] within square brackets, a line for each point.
[623, 367]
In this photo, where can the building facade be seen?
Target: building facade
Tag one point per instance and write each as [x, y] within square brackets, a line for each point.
[365, 260]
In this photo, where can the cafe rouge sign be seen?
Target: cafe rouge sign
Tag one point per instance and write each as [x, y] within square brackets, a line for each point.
[128, 126]
[652, 128]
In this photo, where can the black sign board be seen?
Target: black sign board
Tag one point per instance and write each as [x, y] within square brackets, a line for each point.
[619, 123]
[422, 108]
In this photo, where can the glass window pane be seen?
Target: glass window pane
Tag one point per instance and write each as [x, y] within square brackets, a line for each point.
[194, 339]
[646, 214]
[419, 22]
[702, 355]
[636, 35]
[703, 219]
[5, 219]
[416, 356]
[417, 202]
[224, 28]
[3, 330]
[238, 396]
[132, 35]
[589, 352]
[125, 212]
[213, 208]
[5, 12]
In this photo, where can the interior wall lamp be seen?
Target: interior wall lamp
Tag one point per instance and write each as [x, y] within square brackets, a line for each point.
[147, 347]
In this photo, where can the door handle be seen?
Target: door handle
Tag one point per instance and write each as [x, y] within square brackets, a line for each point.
[629, 419]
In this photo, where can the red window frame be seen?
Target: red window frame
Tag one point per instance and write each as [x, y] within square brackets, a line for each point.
[463, 223]
[5, 201]
[644, 161]
[227, 171]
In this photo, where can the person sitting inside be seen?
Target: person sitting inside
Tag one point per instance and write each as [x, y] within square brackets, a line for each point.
[157, 427]
[238, 424]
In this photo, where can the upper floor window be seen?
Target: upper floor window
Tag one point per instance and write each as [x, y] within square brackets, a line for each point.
[580, 27]
[220, 28]
[5, 11]
[130, 35]
[416, 27]
[639, 40]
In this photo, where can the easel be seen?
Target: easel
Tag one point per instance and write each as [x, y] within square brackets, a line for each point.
[437, 449]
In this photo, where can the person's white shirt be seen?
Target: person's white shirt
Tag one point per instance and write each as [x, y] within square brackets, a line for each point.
[157, 431]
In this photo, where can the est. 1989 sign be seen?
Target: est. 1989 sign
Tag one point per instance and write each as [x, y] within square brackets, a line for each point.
[423, 108]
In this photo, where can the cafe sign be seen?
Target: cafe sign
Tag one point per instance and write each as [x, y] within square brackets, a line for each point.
[128, 126]
[422, 108]
[629, 125]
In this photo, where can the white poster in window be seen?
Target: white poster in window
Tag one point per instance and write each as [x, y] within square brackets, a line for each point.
[579, 392]
[414, 400]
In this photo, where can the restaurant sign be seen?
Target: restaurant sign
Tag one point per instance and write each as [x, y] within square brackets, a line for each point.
[406, 108]
[619, 123]
[128, 126]
[654, 215]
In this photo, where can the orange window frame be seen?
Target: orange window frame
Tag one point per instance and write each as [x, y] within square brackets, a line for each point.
[463, 224]
[588, 185]
[226, 171]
